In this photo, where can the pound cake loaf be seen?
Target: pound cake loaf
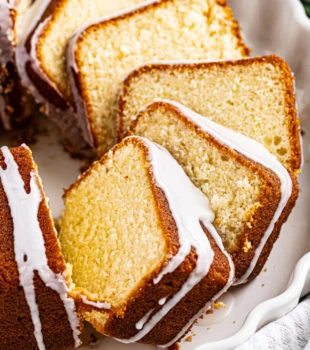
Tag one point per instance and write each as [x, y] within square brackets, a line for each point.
[253, 96]
[250, 191]
[101, 55]
[15, 104]
[36, 311]
[41, 58]
[146, 259]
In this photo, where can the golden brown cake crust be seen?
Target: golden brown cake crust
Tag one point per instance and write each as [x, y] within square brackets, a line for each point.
[269, 199]
[183, 312]
[121, 322]
[55, 7]
[16, 330]
[294, 125]
[47, 90]
[242, 258]
[79, 88]
[276, 231]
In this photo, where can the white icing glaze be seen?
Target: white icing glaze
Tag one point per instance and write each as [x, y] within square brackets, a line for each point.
[32, 17]
[255, 151]
[162, 301]
[96, 304]
[144, 319]
[29, 245]
[190, 208]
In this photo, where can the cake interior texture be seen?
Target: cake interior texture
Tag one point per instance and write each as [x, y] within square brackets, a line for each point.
[167, 30]
[110, 231]
[53, 38]
[235, 188]
[132, 242]
[254, 97]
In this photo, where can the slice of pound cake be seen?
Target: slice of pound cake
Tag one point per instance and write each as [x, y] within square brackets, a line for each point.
[145, 256]
[250, 191]
[41, 58]
[102, 54]
[36, 311]
[252, 96]
[15, 104]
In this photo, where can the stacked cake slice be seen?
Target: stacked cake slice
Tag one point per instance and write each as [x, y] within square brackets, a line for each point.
[196, 29]
[41, 57]
[159, 30]
[251, 193]
[145, 252]
[253, 96]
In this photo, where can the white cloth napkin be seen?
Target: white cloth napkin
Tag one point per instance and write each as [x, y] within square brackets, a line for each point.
[291, 332]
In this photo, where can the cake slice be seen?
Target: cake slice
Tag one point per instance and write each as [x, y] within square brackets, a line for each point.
[146, 259]
[41, 58]
[36, 311]
[253, 96]
[250, 191]
[15, 104]
[101, 55]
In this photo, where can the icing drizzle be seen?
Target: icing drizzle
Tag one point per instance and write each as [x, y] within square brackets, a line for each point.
[29, 245]
[253, 150]
[96, 304]
[190, 209]
[144, 319]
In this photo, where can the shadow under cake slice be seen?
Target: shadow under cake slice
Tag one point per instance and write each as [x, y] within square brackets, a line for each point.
[250, 191]
[101, 55]
[253, 96]
[36, 311]
[146, 259]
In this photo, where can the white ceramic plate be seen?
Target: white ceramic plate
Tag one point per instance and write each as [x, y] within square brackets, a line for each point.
[269, 26]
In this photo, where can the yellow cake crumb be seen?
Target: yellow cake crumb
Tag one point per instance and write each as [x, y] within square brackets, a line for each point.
[218, 304]
[247, 246]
